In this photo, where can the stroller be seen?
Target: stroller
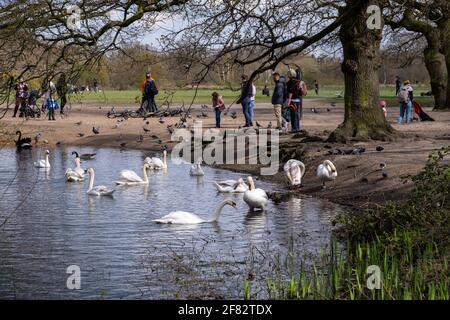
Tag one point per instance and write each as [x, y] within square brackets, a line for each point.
[419, 111]
[30, 109]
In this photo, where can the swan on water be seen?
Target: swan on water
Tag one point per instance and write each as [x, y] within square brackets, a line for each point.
[196, 169]
[43, 163]
[294, 171]
[130, 178]
[238, 187]
[23, 143]
[182, 217]
[156, 163]
[77, 174]
[326, 172]
[255, 198]
[97, 190]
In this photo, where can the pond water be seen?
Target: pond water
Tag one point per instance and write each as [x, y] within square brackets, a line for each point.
[47, 225]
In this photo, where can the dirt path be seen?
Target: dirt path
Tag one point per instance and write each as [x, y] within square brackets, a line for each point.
[359, 177]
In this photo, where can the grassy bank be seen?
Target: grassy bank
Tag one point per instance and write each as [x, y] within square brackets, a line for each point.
[204, 96]
[408, 243]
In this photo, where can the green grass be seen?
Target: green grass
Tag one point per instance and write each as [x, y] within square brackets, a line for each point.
[327, 93]
[343, 274]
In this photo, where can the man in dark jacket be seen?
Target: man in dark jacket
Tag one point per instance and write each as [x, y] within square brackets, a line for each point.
[279, 96]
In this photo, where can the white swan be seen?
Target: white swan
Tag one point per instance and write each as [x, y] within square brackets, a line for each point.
[182, 217]
[156, 163]
[97, 190]
[255, 198]
[43, 163]
[130, 178]
[77, 174]
[326, 172]
[294, 171]
[196, 169]
[238, 187]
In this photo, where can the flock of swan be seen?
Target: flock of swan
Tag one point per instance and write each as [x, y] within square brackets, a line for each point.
[255, 198]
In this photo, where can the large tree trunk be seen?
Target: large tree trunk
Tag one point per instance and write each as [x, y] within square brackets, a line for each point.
[435, 63]
[447, 61]
[364, 118]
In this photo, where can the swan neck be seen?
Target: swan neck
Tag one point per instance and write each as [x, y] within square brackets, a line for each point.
[145, 174]
[218, 211]
[91, 181]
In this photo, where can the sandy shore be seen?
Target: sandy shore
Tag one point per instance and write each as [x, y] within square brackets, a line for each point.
[359, 180]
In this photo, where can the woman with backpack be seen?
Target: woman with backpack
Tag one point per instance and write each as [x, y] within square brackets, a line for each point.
[296, 89]
[149, 91]
[405, 98]
[218, 106]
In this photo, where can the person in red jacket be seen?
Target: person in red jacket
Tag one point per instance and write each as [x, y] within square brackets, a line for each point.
[21, 95]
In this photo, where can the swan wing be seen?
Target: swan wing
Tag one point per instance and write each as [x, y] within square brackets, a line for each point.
[157, 162]
[240, 188]
[80, 171]
[179, 217]
[228, 182]
[130, 175]
[255, 198]
[223, 189]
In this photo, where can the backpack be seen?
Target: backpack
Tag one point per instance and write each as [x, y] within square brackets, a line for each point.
[153, 89]
[403, 95]
[301, 88]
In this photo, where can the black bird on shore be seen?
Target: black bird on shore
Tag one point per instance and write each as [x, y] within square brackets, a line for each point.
[258, 125]
[328, 109]
[379, 148]
[314, 110]
[81, 135]
[123, 144]
[146, 130]
[96, 130]
[78, 123]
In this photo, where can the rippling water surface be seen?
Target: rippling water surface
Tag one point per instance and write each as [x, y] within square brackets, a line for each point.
[48, 225]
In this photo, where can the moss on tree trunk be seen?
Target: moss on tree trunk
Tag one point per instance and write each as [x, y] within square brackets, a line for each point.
[364, 119]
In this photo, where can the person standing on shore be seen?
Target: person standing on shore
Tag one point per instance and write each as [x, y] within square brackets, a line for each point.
[398, 84]
[316, 87]
[218, 106]
[247, 100]
[149, 91]
[61, 89]
[50, 103]
[295, 91]
[406, 98]
[279, 97]
[21, 96]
